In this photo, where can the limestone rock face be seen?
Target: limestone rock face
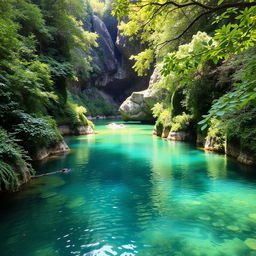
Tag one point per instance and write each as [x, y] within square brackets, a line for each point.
[78, 130]
[104, 55]
[246, 159]
[180, 136]
[138, 106]
[84, 129]
[200, 140]
[166, 132]
[240, 155]
[42, 153]
[212, 144]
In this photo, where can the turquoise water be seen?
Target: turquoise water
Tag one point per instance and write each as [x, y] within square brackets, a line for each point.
[130, 193]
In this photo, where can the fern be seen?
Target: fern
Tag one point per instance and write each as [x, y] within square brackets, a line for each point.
[8, 177]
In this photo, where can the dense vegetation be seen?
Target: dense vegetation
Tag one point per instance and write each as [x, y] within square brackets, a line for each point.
[44, 47]
[205, 51]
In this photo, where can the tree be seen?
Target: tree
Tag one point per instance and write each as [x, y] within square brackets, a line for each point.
[163, 25]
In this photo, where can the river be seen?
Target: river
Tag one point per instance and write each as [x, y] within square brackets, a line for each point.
[131, 193]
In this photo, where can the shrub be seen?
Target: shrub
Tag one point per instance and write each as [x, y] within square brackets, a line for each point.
[181, 122]
[93, 102]
[36, 132]
[216, 132]
[240, 128]
[12, 156]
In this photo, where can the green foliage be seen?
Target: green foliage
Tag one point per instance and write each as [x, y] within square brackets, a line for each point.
[70, 114]
[240, 127]
[162, 114]
[157, 109]
[43, 46]
[12, 157]
[155, 24]
[143, 61]
[98, 7]
[35, 132]
[94, 103]
[235, 33]
[28, 79]
[181, 122]
[77, 115]
[217, 134]
[8, 177]
[188, 59]
[235, 37]
[243, 90]
[58, 68]
[164, 118]
[199, 95]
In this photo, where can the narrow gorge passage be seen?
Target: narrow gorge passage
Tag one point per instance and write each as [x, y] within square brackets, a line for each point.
[131, 193]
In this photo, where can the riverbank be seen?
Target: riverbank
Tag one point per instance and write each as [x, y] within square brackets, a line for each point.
[207, 143]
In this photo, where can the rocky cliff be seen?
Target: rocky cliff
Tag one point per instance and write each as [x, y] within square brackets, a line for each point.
[113, 73]
[138, 106]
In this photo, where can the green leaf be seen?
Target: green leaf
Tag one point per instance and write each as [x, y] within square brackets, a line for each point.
[203, 127]
[202, 121]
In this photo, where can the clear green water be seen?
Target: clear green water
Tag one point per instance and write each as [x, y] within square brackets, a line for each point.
[130, 193]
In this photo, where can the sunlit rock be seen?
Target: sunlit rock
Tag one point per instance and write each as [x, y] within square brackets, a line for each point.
[218, 224]
[179, 136]
[212, 144]
[205, 218]
[138, 107]
[77, 130]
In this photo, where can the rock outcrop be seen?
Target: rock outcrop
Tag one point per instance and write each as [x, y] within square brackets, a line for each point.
[213, 144]
[44, 152]
[180, 136]
[113, 72]
[240, 155]
[138, 106]
[104, 55]
[77, 130]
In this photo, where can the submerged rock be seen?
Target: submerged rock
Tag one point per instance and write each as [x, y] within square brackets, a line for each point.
[233, 228]
[75, 203]
[251, 243]
[48, 194]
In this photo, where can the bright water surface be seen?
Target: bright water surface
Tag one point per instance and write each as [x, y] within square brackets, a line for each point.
[130, 193]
